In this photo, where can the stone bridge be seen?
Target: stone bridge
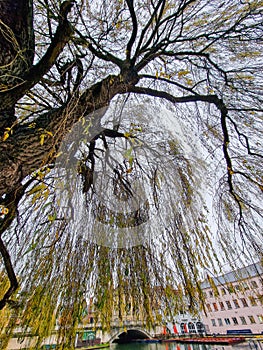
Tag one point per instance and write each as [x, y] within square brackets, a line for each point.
[125, 332]
[117, 333]
[129, 333]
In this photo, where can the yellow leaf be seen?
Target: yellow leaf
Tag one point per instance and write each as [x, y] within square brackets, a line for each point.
[58, 154]
[189, 81]
[42, 139]
[51, 218]
[32, 125]
[6, 135]
[127, 134]
[37, 188]
[182, 73]
[231, 172]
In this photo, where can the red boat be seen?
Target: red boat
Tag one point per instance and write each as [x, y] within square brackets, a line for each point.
[208, 340]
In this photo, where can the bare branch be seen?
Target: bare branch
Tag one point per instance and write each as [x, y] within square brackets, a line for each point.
[134, 29]
[174, 99]
[169, 81]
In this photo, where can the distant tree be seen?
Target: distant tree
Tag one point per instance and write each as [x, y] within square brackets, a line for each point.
[97, 197]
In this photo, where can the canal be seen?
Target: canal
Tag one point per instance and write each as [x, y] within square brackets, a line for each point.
[176, 346]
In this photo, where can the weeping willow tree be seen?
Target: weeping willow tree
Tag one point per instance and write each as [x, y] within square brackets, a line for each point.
[118, 120]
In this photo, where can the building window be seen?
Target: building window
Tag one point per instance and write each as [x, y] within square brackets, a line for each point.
[236, 303]
[227, 321]
[231, 288]
[128, 308]
[234, 320]
[213, 322]
[245, 286]
[251, 319]
[254, 284]
[260, 318]
[237, 287]
[211, 293]
[229, 306]
[244, 302]
[260, 298]
[208, 306]
[252, 301]
[220, 323]
[200, 327]
[223, 291]
[222, 306]
[215, 307]
[191, 327]
[243, 320]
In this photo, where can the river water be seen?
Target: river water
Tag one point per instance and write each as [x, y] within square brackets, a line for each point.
[176, 346]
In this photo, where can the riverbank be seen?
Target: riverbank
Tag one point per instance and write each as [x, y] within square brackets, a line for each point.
[97, 346]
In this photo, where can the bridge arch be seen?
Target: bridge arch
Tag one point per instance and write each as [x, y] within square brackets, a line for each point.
[123, 336]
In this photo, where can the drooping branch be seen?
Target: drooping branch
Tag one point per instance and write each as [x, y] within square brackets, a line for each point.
[230, 172]
[245, 137]
[220, 105]
[167, 32]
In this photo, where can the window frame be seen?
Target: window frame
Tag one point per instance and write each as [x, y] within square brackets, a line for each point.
[243, 320]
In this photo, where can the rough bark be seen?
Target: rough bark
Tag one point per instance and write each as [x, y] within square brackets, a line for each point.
[16, 49]
[23, 143]
[31, 76]
[16, 38]
[22, 153]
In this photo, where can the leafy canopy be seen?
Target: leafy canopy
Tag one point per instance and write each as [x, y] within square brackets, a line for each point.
[120, 120]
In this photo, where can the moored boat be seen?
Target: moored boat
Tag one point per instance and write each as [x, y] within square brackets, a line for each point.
[208, 340]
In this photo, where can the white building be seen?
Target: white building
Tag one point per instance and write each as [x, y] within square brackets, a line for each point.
[185, 323]
[234, 302]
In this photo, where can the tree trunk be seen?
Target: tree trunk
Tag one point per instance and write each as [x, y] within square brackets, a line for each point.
[16, 49]
[22, 153]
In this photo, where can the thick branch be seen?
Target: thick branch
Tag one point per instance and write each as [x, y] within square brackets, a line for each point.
[11, 202]
[134, 29]
[63, 33]
[23, 152]
[105, 55]
[168, 81]
[10, 273]
[171, 98]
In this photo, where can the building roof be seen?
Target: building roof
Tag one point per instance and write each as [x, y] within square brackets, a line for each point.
[249, 271]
